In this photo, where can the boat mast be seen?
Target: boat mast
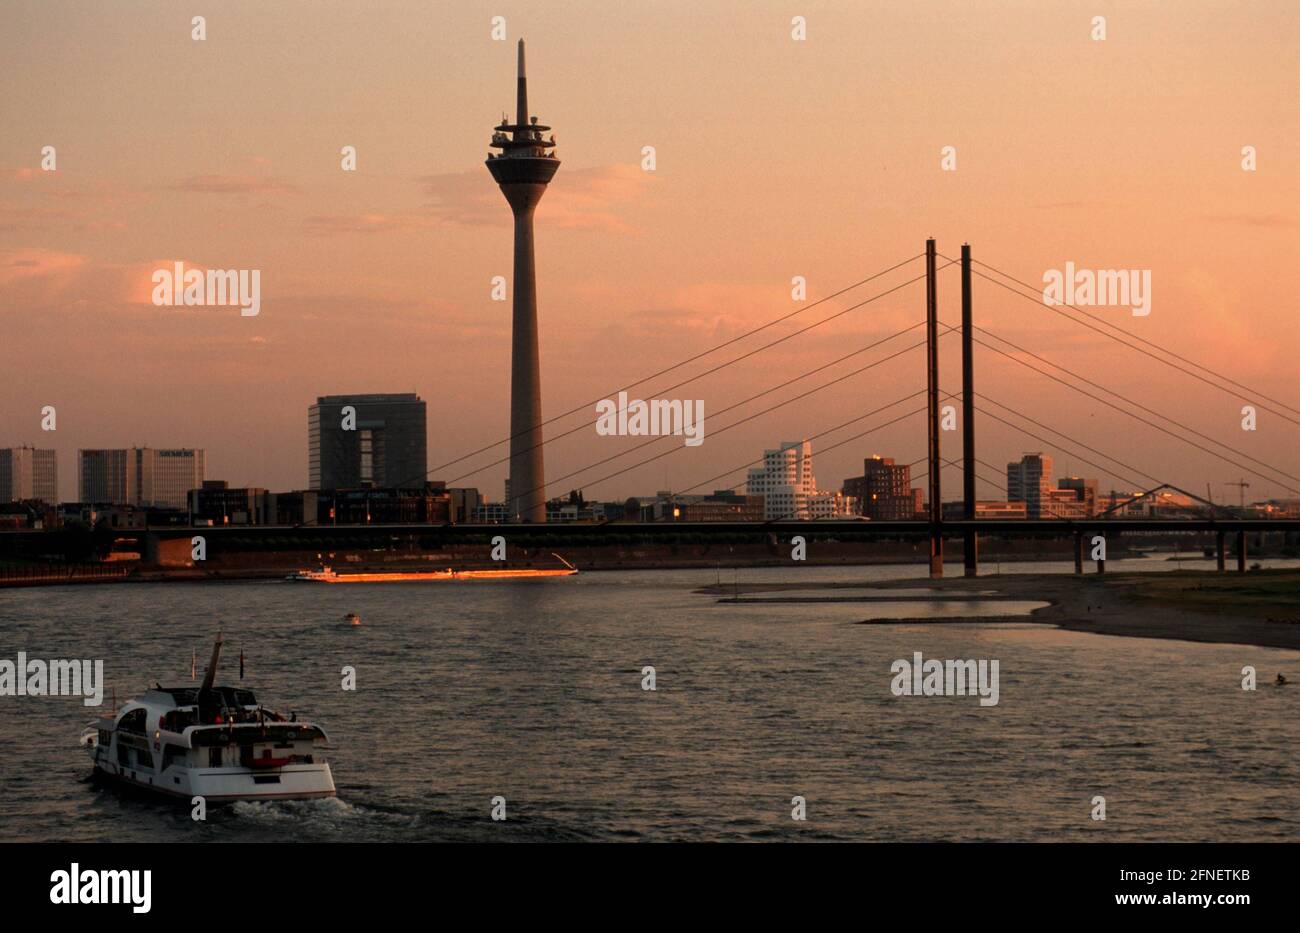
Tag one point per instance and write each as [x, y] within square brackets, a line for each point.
[211, 674]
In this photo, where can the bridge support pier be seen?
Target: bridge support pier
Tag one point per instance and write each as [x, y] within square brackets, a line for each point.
[1241, 552]
[1221, 549]
[1078, 552]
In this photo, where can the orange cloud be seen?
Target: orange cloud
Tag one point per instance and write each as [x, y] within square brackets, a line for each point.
[235, 184]
[333, 224]
[21, 265]
[43, 281]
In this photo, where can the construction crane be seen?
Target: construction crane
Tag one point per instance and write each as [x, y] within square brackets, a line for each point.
[1241, 485]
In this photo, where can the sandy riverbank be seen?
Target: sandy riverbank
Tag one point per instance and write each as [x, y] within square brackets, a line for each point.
[1257, 608]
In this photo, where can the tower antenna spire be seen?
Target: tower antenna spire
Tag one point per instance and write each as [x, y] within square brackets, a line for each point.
[521, 114]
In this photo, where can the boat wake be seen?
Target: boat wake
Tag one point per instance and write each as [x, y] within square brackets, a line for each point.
[326, 819]
[294, 811]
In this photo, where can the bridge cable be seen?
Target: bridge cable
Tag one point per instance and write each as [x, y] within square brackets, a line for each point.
[1158, 346]
[1137, 404]
[1247, 394]
[701, 355]
[1136, 417]
[748, 418]
[750, 463]
[768, 391]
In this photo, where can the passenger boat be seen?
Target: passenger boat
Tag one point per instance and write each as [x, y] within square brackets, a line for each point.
[213, 742]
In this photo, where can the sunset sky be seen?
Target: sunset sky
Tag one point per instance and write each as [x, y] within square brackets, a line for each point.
[775, 158]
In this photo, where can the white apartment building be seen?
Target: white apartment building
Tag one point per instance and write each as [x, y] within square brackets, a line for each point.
[789, 489]
[826, 504]
[785, 480]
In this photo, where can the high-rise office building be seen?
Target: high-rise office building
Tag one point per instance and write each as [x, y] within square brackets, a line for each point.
[167, 476]
[357, 441]
[142, 476]
[29, 473]
[1030, 481]
[884, 490]
[1085, 491]
[105, 477]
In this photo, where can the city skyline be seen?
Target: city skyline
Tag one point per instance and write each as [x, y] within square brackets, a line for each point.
[346, 267]
[781, 485]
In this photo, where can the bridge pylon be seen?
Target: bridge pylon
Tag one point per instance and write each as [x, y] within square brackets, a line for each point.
[932, 386]
[970, 541]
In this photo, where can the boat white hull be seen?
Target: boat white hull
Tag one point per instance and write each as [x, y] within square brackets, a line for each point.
[217, 785]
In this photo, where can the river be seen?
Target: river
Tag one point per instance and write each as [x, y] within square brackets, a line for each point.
[532, 691]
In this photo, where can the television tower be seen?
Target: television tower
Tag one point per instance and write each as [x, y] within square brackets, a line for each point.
[525, 166]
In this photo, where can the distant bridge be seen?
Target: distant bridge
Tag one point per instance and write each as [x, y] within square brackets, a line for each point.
[154, 541]
[174, 541]
[955, 528]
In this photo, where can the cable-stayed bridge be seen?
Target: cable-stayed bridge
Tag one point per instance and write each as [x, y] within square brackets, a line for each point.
[925, 334]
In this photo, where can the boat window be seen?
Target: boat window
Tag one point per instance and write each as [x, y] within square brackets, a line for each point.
[179, 719]
[144, 759]
[132, 721]
[173, 754]
[214, 757]
[122, 758]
